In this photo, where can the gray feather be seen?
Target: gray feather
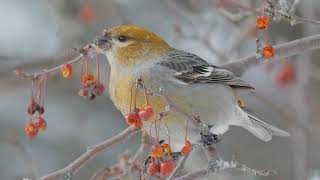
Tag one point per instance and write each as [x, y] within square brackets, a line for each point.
[190, 68]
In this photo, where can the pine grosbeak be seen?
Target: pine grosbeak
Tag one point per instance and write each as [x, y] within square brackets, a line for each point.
[195, 86]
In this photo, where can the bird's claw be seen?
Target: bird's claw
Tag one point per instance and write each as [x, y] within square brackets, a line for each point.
[207, 137]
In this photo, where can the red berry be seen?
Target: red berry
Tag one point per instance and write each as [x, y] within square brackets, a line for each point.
[268, 51]
[40, 123]
[186, 148]
[146, 113]
[66, 70]
[98, 89]
[153, 169]
[262, 22]
[86, 14]
[286, 75]
[138, 124]
[166, 168]
[132, 118]
[31, 130]
[88, 79]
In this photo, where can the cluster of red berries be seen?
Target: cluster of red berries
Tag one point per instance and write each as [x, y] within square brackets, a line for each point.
[91, 87]
[37, 124]
[264, 50]
[161, 159]
[136, 115]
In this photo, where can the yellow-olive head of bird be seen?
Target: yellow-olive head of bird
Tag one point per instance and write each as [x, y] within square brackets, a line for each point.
[130, 44]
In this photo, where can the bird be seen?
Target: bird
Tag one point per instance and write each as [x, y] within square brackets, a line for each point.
[197, 88]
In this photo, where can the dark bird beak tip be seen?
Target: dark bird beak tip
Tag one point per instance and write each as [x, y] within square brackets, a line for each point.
[100, 41]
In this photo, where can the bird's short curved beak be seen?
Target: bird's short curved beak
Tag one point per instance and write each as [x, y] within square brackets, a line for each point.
[102, 43]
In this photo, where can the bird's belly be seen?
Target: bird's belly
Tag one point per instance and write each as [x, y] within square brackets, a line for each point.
[214, 104]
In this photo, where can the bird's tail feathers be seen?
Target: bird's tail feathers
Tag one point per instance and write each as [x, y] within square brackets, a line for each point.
[263, 130]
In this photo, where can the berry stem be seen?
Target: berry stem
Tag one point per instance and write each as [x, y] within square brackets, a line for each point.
[187, 128]
[98, 69]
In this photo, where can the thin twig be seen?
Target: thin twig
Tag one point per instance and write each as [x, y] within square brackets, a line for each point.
[45, 72]
[216, 165]
[131, 164]
[92, 152]
[178, 167]
[282, 51]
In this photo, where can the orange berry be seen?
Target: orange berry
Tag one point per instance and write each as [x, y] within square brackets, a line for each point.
[138, 124]
[166, 147]
[262, 22]
[40, 123]
[153, 169]
[98, 89]
[31, 130]
[286, 75]
[87, 79]
[132, 118]
[156, 151]
[66, 70]
[166, 168]
[268, 51]
[186, 148]
[86, 14]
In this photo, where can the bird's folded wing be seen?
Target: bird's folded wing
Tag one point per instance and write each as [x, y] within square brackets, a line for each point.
[190, 68]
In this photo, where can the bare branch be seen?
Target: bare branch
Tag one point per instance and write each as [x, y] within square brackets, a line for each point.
[92, 152]
[284, 50]
[125, 164]
[178, 167]
[46, 72]
[294, 6]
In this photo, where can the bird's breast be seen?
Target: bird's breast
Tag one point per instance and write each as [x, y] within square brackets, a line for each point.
[125, 95]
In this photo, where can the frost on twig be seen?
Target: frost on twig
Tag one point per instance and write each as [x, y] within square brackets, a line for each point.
[216, 166]
[284, 10]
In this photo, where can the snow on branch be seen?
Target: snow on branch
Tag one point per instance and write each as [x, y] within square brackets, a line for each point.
[216, 166]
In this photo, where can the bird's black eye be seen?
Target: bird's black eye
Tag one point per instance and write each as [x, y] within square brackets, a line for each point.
[122, 38]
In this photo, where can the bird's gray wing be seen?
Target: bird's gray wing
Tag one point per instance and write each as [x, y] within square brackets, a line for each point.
[190, 68]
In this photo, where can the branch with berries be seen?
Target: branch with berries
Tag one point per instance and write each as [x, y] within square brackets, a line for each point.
[161, 162]
[284, 50]
[275, 9]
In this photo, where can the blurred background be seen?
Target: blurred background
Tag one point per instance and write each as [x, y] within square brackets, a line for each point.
[38, 34]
